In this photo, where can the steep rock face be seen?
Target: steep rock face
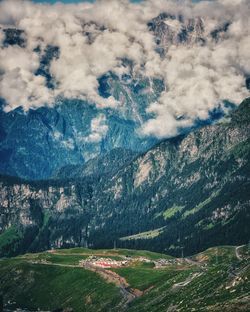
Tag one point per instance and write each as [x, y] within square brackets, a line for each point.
[43, 215]
[186, 193]
[176, 30]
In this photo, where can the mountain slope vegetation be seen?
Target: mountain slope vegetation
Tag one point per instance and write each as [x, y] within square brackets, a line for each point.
[183, 195]
[54, 281]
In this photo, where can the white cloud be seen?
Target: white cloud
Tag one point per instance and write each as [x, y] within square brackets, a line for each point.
[198, 79]
[98, 129]
[2, 36]
[94, 38]
[20, 88]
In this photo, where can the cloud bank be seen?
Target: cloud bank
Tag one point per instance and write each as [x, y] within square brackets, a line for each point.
[98, 129]
[204, 56]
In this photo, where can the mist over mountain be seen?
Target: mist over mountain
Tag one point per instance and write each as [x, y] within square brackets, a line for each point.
[124, 155]
[87, 95]
[77, 83]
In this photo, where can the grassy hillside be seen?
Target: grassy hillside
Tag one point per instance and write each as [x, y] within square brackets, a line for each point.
[114, 252]
[210, 281]
[49, 287]
[219, 282]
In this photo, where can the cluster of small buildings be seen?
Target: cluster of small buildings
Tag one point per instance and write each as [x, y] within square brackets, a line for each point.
[108, 263]
[105, 263]
[39, 261]
[160, 263]
[142, 259]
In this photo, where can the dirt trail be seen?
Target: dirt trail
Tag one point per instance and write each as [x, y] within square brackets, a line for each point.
[187, 281]
[108, 254]
[237, 254]
[56, 264]
[128, 293]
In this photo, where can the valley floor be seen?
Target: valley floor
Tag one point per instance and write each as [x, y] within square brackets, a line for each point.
[127, 280]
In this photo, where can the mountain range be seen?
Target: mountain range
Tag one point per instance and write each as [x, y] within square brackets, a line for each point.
[183, 195]
[75, 175]
[124, 156]
[62, 135]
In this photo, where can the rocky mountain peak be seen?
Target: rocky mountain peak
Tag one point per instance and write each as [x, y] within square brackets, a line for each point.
[175, 30]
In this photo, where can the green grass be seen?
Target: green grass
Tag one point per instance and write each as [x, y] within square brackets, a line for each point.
[245, 250]
[218, 255]
[144, 235]
[114, 253]
[61, 259]
[143, 278]
[208, 226]
[200, 205]
[46, 218]
[170, 212]
[77, 250]
[213, 290]
[197, 208]
[47, 287]
[8, 238]
[142, 253]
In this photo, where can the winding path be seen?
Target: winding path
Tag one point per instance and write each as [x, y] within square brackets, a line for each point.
[128, 293]
[237, 254]
[187, 281]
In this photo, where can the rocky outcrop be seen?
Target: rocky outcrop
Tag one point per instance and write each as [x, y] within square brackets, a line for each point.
[177, 30]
